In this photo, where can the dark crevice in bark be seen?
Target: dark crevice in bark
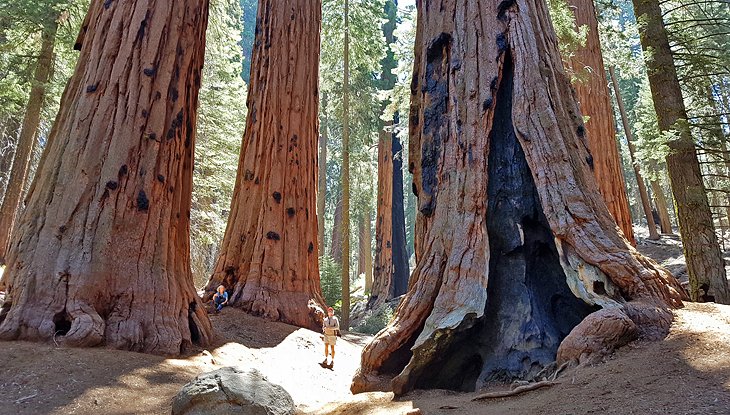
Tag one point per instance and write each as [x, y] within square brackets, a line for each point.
[399, 359]
[529, 308]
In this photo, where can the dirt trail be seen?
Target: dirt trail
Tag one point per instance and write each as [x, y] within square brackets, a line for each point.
[687, 373]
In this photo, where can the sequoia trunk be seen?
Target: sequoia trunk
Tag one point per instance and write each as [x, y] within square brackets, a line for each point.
[705, 265]
[268, 260]
[365, 257]
[23, 152]
[101, 252]
[391, 263]
[515, 245]
[383, 261]
[643, 194]
[322, 178]
[595, 102]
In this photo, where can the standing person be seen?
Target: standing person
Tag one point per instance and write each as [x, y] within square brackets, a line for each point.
[220, 298]
[330, 327]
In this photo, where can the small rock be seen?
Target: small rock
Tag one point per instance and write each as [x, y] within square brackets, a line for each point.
[232, 390]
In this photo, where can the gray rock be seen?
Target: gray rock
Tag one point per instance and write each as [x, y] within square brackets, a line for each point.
[232, 390]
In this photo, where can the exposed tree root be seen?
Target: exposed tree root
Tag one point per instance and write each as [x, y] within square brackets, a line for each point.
[516, 391]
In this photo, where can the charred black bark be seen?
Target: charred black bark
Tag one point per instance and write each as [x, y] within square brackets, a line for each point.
[401, 270]
[529, 308]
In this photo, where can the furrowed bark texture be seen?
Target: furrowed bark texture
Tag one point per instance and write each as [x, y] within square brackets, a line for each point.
[515, 245]
[383, 260]
[11, 205]
[705, 265]
[268, 260]
[365, 251]
[391, 263]
[322, 178]
[643, 194]
[101, 253]
[595, 102]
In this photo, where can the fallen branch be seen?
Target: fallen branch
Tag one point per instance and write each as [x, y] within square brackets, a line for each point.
[25, 398]
[516, 391]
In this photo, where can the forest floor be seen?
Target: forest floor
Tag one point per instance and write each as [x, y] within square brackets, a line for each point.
[686, 373]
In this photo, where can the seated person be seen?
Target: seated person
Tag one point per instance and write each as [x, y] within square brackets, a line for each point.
[220, 298]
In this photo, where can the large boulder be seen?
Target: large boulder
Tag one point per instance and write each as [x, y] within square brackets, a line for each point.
[232, 390]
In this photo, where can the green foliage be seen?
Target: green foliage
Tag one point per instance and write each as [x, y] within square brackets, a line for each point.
[375, 322]
[249, 8]
[221, 120]
[329, 275]
[570, 37]
[367, 49]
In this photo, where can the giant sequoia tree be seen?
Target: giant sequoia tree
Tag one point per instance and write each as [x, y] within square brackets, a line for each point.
[595, 102]
[101, 252]
[268, 260]
[390, 273]
[514, 244]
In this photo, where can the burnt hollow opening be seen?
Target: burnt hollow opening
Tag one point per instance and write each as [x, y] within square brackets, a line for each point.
[194, 331]
[62, 323]
[529, 308]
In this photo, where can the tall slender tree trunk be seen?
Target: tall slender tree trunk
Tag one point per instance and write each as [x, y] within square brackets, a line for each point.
[268, 260]
[391, 264]
[101, 254]
[9, 144]
[336, 246]
[515, 245]
[665, 223]
[643, 194]
[11, 205]
[705, 265]
[383, 261]
[345, 317]
[595, 101]
[322, 176]
[365, 261]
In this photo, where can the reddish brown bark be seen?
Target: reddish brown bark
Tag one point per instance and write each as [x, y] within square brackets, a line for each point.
[23, 153]
[505, 197]
[705, 264]
[101, 253]
[595, 102]
[365, 257]
[268, 260]
[383, 260]
[322, 178]
[643, 194]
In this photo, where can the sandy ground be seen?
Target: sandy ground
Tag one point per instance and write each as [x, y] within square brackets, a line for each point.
[687, 373]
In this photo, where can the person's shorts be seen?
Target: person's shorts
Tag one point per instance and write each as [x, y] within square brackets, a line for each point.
[331, 340]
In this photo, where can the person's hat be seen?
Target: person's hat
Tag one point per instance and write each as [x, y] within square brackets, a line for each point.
[330, 309]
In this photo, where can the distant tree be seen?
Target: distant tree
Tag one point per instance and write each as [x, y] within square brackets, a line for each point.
[705, 264]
